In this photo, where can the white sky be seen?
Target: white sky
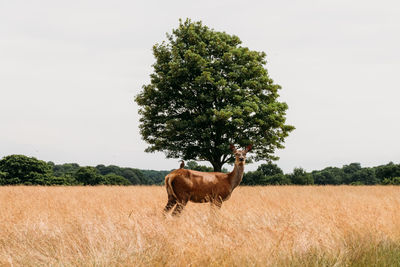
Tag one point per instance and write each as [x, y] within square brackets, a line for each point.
[69, 71]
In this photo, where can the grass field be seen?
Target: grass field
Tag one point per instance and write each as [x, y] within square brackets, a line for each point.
[258, 226]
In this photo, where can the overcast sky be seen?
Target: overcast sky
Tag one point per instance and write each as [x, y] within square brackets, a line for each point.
[69, 71]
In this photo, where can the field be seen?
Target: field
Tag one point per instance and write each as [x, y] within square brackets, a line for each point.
[258, 226]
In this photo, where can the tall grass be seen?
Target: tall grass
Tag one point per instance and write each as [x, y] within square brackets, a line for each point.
[258, 226]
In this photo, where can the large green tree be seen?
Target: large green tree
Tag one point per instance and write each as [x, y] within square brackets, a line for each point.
[207, 91]
[89, 176]
[20, 169]
[301, 177]
[3, 176]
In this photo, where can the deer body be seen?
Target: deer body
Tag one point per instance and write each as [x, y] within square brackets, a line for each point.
[188, 185]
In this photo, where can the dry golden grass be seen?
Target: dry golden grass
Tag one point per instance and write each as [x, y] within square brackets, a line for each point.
[124, 226]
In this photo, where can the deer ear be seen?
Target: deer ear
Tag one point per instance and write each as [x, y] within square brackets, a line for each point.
[249, 147]
[232, 147]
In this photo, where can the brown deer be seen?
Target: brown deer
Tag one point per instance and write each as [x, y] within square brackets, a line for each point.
[187, 185]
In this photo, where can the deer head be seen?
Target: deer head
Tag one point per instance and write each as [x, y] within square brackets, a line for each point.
[240, 155]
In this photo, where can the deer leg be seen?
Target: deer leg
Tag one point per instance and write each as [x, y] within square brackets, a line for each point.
[179, 207]
[171, 203]
[216, 202]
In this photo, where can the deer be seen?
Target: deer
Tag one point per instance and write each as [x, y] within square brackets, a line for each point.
[185, 185]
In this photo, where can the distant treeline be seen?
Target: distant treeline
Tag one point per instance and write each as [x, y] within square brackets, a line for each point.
[20, 169]
[352, 174]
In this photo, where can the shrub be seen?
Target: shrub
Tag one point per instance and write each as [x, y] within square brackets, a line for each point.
[3, 176]
[89, 176]
[391, 181]
[20, 169]
[113, 179]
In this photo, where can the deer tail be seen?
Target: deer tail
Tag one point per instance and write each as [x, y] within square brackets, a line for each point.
[168, 185]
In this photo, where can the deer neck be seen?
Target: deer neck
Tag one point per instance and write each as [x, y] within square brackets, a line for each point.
[235, 177]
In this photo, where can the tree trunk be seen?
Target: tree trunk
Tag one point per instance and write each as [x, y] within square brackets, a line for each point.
[217, 166]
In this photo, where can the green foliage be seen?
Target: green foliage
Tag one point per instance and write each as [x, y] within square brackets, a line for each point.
[389, 170]
[266, 174]
[208, 91]
[270, 169]
[357, 183]
[391, 181]
[349, 171]
[252, 178]
[365, 176]
[301, 177]
[113, 179]
[193, 165]
[3, 176]
[134, 176]
[65, 169]
[64, 180]
[20, 169]
[89, 176]
[154, 177]
[348, 174]
[278, 179]
[330, 175]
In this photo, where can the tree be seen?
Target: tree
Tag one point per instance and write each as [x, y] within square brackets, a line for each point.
[273, 174]
[269, 169]
[389, 170]
[65, 169]
[3, 176]
[391, 181]
[253, 178]
[20, 169]
[208, 91]
[278, 179]
[64, 180]
[365, 176]
[329, 175]
[134, 176]
[89, 176]
[300, 176]
[266, 174]
[154, 177]
[349, 171]
[113, 179]
[193, 165]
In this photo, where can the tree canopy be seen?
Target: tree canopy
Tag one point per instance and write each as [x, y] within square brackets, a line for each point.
[207, 91]
[20, 169]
